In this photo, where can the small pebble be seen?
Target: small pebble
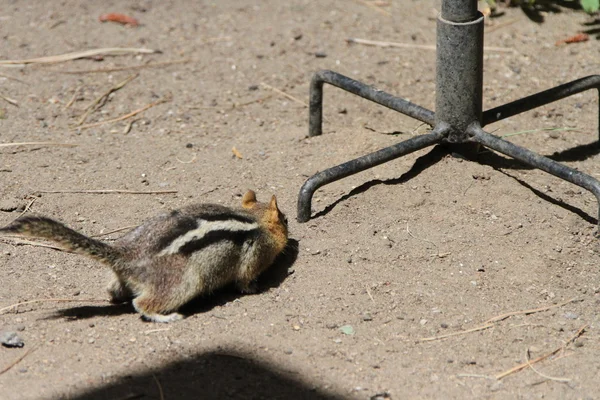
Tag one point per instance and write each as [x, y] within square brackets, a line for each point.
[570, 315]
[494, 387]
[331, 325]
[288, 351]
[320, 54]
[381, 396]
[444, 325]
[11, 339]
[367, 317]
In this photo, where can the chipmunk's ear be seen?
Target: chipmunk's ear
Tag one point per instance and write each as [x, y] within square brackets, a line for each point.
[249, 199]
[273, 203]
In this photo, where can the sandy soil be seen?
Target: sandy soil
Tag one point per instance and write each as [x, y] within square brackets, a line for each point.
[423, 246]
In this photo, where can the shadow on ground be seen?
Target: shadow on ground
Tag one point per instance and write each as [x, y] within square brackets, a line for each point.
[213, 375]
[484, 157]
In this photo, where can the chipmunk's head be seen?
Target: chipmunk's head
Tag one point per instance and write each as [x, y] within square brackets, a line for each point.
[269, 216]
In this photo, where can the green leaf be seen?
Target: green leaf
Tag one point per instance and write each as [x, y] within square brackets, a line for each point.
[347, 330]
[590, 6]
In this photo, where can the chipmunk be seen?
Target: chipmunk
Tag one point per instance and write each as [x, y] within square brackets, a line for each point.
[174, 257]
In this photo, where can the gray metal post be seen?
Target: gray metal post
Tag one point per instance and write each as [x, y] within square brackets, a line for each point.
[459, 76]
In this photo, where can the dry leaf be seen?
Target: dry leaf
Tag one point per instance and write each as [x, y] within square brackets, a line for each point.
[237, 153]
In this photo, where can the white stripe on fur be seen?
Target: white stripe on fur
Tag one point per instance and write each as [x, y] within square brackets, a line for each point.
[204, 227]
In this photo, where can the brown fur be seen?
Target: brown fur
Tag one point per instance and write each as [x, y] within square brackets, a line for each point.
[174, 257]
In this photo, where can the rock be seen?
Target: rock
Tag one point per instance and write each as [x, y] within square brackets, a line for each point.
[381, 396]
[571, 315]
[8, 205]
[11, 339]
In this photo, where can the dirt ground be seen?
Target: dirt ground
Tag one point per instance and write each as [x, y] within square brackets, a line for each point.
[424, 246]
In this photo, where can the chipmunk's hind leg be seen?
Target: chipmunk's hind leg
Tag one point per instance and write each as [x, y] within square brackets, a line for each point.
[118, 291]
[152, 309]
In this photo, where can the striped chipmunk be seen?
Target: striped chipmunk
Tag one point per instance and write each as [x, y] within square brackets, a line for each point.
[174, 257]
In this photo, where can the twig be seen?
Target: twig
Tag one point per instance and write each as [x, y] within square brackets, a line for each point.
[370, 296]
[38, 144]
[160, 390]
[10, 101]
[2, 310]
[414, 237]
[127, 68]
[538, 130]
[474, 376]
[478, 328]
[378, 43]
[18, 360]
[260, 100]
[73, 98]
[375, 7]
[188, 162]
[541, 374]
[128, 126]
[526, 312]
[114, 231]
[96, 104]
[156, 330]
[111, 51]
[109, 191]
[123, 117]
[22, 242]
[28, 206]
[284, 94]
[542, 357]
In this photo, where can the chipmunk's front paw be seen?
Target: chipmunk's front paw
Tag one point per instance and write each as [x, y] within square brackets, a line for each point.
[248, 287]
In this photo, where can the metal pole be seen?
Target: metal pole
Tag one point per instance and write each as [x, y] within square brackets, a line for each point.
[459, 74]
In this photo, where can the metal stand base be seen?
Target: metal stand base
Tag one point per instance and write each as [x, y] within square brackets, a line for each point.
[459, 117]
[439, 134]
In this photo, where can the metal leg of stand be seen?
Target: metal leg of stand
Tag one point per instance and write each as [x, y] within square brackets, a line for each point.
[315, 119]
[362, 163]
[540, 99]
[535, 160]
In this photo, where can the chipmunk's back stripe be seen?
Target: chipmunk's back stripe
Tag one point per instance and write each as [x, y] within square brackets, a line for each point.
[183, 225]
[227, 217]
[208, 232]
[238, 237]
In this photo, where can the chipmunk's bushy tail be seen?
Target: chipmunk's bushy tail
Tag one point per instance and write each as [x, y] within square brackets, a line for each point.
[46, 228]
